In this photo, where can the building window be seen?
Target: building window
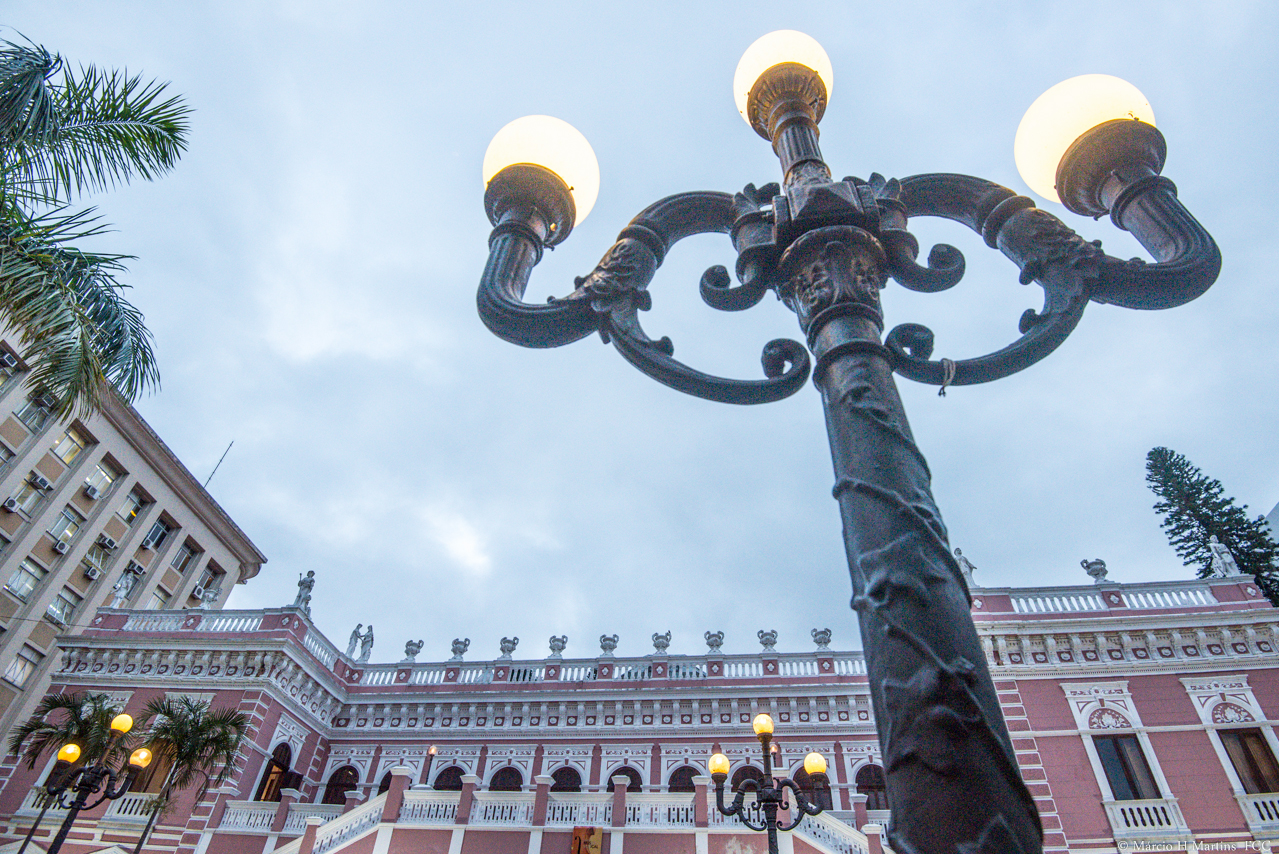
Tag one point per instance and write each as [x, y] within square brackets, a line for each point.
[67, 524]
[741, 775]
[211, 578]
[26, 578]
[449, 780]
[97, 556]
[345, 779]
[63, 607]
[384, 785]
[507, 779]
[6, 455]
[566, 780]
[27, 660]
[27, 497]
[70, 445]
[273, 777]
[132, 506]
[870, 782]
[101, 479]
[682, 780]
[1126, 768]
[159, 600]
[157, 535]
[816, 789]
[184, 558]
[1253, 761]
[33, 413]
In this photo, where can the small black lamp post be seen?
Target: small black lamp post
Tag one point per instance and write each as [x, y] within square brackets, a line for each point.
[827, 247]
[771, 795]
[91, 780]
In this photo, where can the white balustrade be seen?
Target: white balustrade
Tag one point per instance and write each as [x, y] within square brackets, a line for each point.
[1048, 603]
[832, 834]
[429, 807]
[132, 806]
[1262, 811]
[248, 816]
[1177, 597]
[320, 647]
[36, 800]
[526, 674]
[295, 821]
[743, 669]
[229, 621]
[659, 810]
[155, 621]
[594, 809]
[502, 808]
[578, 672]
[1153, 817]
[380, 675]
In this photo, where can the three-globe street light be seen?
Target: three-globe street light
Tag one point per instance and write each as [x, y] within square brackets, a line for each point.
[90, 780]
[770, 795]
[827, 247]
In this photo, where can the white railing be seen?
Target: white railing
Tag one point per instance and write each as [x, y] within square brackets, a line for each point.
[36, 800]
[532, 673]
[685, 670]
[1145, 818]
[833, 835]
[248, 816]
[659, 810]
[379, 676]
[155, 621]
[797, 667]
[212, 621]
[342, 829]
[1262, 811]
[429, 807]
[850, 666]
[743, 669]
[130, 807]
[633, 672]
[587, 809]
[295, 821]
[579, 672]
[320, 647]
[1046, 603]
[502, 808]
[1177, 597]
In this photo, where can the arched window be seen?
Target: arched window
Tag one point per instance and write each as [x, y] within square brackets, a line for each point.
[815, 788]
[870, 782]
[634, 783]
[507, 780]
[566, 780]
[449, 780]
[273, 776]
[385, 784]
[682, 780]
[747, 772]
[343, 780]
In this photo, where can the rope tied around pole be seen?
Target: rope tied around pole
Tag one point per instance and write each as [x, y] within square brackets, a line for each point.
[948, 376]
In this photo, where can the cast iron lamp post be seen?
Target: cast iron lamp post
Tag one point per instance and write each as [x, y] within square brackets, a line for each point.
[827, 247]
[90, 780]
[771, 795]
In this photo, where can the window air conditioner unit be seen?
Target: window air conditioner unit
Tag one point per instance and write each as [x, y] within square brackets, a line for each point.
[61, 547]
[93, 492]
[135, 567]
[40, 482]
[45, 401]
[92, 573]
[149, 542]
[198, 592]
[8, 359]
[106, 542]
[11, 504]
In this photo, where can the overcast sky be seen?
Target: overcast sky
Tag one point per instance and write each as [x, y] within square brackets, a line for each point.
[309, 272]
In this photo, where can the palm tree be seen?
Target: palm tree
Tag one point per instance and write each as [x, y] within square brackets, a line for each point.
[196, 743]
[64, 134]
[64, 718]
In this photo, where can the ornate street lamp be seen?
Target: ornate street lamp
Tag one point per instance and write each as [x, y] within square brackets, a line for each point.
[771, 794]
[827, 247]
[91, 779]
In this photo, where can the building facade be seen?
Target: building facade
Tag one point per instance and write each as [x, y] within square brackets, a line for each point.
[95, 511]
[1141, 714]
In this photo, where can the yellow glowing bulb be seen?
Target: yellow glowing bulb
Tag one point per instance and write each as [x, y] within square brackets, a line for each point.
[763, 724]
[815, 763]
[122, 723]
[140, 757]
[1064, 113]
[552, 144]
[69, 753]
[774, 49]
[718, 764]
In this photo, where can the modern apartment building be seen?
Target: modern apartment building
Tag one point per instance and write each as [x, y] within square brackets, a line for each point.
[95, 512]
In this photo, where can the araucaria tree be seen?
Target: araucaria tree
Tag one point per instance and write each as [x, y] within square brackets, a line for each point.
[65, 133]
[1194, 509]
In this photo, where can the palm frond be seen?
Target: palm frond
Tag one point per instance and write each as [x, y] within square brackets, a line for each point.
[83, 719]
[27, 109]
[111, 126]
[200, 744]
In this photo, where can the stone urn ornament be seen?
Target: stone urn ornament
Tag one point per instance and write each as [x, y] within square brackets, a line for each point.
[608, 643]
[460, 646]
[661, 642]
[768, 639]
[508, 646]
[714, 640]
[821, 637]
[557, 646]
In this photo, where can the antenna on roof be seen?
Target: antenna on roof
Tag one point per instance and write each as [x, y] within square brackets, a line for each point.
[220, 459]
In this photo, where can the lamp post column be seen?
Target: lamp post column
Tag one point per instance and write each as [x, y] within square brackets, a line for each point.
[953, 780]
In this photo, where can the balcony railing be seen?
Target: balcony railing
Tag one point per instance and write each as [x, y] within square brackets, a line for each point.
[1262, 811]
[429, 807]
[1155, 817]
[248, 816]
[131, 807]
[36, 800]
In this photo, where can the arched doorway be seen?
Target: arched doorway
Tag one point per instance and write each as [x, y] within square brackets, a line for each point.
[507, 780]
[384, 785]
[566, 780]
[343, 780]
[448, 780]
[634, 783]
[870, 782]
[681, 780]
[815, 788]
[747, 772]
[273, 775]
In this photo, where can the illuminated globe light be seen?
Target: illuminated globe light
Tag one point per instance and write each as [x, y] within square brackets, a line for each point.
[718, 764]
[69, 753]
[553, 144]
[140, 757]
[774, 49]
[815, 763]
[121, 723]
[1064, 113]
[763, 723]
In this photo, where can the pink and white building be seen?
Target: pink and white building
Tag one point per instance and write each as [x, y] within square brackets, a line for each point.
[1142, 715]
